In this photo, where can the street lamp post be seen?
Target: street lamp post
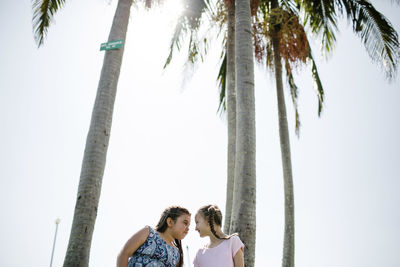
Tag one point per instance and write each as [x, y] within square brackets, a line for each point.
[54, 242]
[187, 248]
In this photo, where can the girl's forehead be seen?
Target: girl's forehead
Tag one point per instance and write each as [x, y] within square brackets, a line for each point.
[185, 217]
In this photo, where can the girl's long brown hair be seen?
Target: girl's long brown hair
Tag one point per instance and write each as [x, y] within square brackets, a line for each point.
[172, 212]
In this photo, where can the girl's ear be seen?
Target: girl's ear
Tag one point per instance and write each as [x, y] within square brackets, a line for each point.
[170, 221]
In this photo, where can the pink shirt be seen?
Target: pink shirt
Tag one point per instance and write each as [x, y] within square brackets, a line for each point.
[219, 256]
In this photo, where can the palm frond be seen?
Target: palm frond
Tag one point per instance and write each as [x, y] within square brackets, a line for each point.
[43, 12]
[193, 11]
[175, 41]
[189, 22]
[222, 84]
[289, 6]
[317, 81]
[376, 32]
[321, 17]
[294, 95]
[193, 50]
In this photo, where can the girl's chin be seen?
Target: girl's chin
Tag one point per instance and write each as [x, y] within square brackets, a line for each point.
[184, 235]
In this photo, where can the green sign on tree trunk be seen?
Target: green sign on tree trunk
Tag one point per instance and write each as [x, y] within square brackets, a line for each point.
[111, 45]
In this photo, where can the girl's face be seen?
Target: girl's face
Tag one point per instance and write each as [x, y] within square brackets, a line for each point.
[180, 227]
[202, 225]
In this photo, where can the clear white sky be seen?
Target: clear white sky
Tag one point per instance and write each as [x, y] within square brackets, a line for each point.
[168, 145]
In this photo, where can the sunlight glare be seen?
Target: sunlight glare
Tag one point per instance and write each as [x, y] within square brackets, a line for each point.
[161, 18]
[173, 8]
[166, 12]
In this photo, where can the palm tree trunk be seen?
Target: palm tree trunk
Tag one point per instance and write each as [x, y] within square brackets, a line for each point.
[288, 244]
[94, 157]
[231, 113]
[244, 193]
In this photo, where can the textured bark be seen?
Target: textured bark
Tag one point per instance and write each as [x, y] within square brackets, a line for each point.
[288, 243]
[231, 114]
[244, 196]
[94, 157]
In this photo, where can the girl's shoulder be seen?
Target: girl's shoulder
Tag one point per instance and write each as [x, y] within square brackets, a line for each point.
[234, 236]
[150, 229]
[236, 241]
[230, 241]
[144, 232]
[152, 233]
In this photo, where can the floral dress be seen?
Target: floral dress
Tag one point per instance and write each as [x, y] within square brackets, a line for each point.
[154, 252]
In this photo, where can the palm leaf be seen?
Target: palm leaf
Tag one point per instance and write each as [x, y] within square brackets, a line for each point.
[43, 12]
[376, 32]
[289, 6]
[176, 40]
[321, 17]
[189, 22]
[294, 95]
[222, 84]
[317, 81]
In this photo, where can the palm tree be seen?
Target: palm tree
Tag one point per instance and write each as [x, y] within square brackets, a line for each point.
[243, 220]
[94, 158]
[288, 41]
[227, 73]
[230, 113]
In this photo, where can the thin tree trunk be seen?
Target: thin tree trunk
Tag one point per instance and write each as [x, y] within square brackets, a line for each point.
[244, 194]
[94, 158]
[231, 113]
[288, 244]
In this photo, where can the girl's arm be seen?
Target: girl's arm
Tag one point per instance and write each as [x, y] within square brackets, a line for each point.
[238, 260]
[131, 246]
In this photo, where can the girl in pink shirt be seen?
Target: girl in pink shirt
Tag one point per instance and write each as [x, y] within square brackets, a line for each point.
[222, 250]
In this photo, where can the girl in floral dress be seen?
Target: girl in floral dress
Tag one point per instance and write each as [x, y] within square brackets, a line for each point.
[159, 247]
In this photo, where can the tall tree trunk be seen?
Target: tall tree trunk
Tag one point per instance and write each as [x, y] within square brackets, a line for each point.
[231, 113]
[244, 193]
[288, 244]
[94, 158]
